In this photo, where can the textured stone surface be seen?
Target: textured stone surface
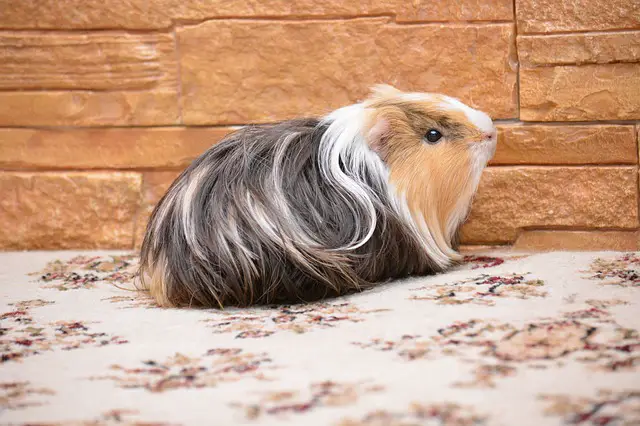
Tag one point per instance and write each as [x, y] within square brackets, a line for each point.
[168, 147]
[87, 108]
[154, 185]
[87, 61]
[576, 15]
[103, 78]
[68, 210]
[268, 60]
[566, 144]
[580, 93]
[447, 10]
[548, 240]
[566, 49]
[137, 13]
[511, 198]
[239, 71]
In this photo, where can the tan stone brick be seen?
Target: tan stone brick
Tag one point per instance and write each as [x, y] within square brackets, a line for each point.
[576, 15]
[580, 93]
[87, 79]
[589, 48]
[477, 249]
[84, 108]
[565, 144]
[86, 61]
[447, 10]
[168, 147]
[68, 210]
[513, 198]
[550, 240]
[236, 71]
[54, 14]
[155, 184]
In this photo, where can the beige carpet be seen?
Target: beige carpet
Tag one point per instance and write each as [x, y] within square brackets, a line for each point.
[543, 339]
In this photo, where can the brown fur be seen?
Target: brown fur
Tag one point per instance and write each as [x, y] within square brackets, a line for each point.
[301, 210]
[432, 177]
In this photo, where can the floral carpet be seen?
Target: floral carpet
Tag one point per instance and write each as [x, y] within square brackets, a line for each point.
[503, 339]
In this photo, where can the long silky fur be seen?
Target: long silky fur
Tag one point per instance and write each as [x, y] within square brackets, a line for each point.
[282, 213]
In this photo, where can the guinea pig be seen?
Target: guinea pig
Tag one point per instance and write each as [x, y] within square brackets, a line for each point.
[313, 208]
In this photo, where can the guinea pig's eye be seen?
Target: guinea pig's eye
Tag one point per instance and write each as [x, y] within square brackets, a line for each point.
[433, 136]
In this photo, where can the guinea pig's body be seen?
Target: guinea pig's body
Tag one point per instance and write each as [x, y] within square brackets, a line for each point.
[310, 208]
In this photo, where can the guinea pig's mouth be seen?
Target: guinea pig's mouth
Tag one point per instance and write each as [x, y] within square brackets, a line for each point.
[490, 136]
[486, 148]
[491, 140]
[490, 144]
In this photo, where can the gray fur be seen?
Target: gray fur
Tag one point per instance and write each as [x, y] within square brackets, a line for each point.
[266, 225]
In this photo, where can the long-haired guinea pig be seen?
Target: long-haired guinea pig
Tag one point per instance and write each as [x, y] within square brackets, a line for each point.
[313, 208]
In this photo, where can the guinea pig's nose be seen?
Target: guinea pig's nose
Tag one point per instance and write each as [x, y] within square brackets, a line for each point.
[492, 135]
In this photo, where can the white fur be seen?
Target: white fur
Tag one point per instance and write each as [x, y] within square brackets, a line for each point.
[478, 118]
[344, 140]
[278, 195]
[271, 229]
[187, 211]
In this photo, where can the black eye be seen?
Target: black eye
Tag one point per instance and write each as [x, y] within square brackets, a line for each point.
[433, 136]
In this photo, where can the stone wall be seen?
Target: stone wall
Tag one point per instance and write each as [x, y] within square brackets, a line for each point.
[102, 103]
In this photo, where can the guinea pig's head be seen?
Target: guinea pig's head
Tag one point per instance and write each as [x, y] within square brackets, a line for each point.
[435, 148]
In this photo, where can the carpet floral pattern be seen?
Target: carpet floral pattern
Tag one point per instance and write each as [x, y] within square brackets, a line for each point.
[502, 339]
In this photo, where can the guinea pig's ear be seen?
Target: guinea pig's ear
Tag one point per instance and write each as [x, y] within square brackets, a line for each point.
[384, 91]
[377, 135]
